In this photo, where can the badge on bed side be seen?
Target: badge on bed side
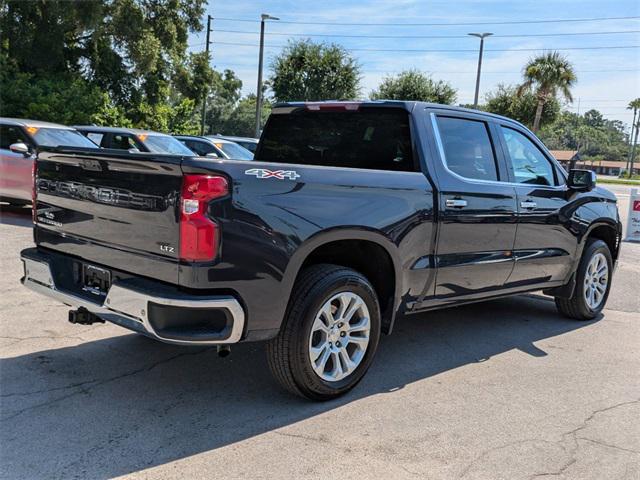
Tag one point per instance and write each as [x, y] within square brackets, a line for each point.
[277, 174]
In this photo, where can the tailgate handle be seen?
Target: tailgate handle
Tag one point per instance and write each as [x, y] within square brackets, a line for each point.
[455, 203]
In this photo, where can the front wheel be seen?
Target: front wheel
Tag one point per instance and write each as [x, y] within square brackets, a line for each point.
[593, 282]
[330, 333]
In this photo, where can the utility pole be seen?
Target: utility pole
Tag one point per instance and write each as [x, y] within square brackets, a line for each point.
[263, 17]
[481, 36]
[633, 126]
[633, 149]
[206, 92]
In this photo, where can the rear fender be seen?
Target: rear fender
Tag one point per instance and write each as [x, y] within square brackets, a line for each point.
[327, 236]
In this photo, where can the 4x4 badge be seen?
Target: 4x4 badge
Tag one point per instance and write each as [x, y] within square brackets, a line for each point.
[278, 174]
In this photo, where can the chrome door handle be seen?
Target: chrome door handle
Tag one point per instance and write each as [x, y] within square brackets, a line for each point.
[455, 203]
[528, 204]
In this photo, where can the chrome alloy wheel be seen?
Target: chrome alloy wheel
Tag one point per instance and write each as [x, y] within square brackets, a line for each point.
[596, 279]
[339, 336]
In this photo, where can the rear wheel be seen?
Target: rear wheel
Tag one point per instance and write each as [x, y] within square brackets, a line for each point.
[330, 333]
[593, 282]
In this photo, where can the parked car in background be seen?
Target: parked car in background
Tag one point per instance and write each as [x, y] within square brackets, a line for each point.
[133, 140]
[18, 142]
[215, 147]
[247, 142]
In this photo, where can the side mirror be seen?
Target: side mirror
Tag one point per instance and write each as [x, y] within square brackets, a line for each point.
[19, 147]
[212, 155]
[581, 180]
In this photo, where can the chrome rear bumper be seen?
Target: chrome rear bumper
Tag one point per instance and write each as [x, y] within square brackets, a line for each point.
[130, 308]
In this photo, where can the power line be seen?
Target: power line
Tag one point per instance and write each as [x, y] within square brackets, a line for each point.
[515, 22]
[430, 36]
[607, 71]
[613, 47]
[497, 72]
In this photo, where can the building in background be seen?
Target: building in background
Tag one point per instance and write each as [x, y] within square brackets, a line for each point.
[571, 159]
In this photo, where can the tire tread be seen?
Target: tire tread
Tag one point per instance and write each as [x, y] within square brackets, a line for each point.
[278, 353]
[573, 307]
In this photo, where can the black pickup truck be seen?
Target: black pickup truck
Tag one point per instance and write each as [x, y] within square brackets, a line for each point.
[351, 215]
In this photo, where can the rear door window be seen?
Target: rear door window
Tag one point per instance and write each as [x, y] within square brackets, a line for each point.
[467, 148]
[199, 148]
[122, 141]
[96, 137]
[370, 137]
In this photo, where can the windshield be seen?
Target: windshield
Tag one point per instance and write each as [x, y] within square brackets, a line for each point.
[235, 151]
[166, 144]
[58, 137]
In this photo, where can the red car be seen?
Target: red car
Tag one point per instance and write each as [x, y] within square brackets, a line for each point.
[18, 142]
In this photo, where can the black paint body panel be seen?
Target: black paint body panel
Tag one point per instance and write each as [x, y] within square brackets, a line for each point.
[117, 209]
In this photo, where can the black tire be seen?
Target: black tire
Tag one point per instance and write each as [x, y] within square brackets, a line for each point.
[288, 352]
[577, 307]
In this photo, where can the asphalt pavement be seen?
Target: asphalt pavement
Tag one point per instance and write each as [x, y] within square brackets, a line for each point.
[506, 389]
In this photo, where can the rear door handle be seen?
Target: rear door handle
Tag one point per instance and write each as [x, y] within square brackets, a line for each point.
[528, 204]
[455, 203]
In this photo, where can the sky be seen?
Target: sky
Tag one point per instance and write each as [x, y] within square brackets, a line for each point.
[608, 78]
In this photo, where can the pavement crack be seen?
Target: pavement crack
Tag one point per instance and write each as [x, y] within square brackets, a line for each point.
[557, 473]
[593, 414]
[609, 445]
[302, 437]
[94, 383]
[562, 443]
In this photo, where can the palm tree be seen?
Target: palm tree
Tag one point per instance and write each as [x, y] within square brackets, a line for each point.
[635, 106]
[548, 74]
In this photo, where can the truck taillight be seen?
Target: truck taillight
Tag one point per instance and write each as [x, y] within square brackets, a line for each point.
[199, 235]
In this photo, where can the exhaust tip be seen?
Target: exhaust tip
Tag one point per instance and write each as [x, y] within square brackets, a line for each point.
[224, 351]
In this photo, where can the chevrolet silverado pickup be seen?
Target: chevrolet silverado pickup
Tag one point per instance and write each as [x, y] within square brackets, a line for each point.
[352, 215]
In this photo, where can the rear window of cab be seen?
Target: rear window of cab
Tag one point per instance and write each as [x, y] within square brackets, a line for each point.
[376, 138]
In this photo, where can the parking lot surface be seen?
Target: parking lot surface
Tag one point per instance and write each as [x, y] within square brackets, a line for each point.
[505, 389]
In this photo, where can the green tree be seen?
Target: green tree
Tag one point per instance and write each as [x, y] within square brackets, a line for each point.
[633, 136]
[308, 71]
[241, 120]
[415, 85]
[548, 75]
[635, 106]
[223, 100]
[63, 98]
[133, 50]
[595, 139]
[506, 101]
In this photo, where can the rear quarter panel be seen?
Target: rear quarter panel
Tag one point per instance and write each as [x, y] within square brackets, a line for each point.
[270, 225]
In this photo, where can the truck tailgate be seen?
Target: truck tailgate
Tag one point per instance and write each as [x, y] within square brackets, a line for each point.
[111, 208]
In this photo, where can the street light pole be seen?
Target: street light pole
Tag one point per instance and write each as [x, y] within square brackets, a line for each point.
[263, 17]
[481, 36]
[204, 98]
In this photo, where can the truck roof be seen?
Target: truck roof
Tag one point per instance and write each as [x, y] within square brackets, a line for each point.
[22, 122]
[405, 104]
[133, 131]
[208, 138]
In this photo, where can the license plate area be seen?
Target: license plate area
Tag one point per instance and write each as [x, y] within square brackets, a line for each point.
[95, 280]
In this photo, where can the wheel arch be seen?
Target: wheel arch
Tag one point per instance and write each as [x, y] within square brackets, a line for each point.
[355, 248]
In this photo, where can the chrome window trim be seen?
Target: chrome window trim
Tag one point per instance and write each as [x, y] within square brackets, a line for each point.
[443, 159]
